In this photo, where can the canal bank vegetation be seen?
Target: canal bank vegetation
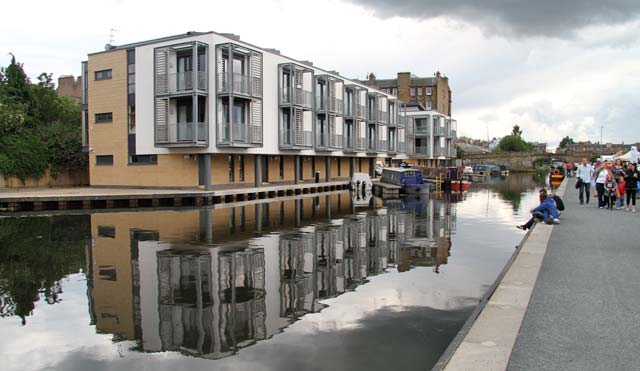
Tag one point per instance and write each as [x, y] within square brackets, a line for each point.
[39, 130]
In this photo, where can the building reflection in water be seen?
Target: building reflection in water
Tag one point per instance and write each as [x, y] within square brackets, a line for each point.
[209, 282]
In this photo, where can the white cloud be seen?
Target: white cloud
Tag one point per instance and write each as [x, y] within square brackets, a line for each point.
[552, 87]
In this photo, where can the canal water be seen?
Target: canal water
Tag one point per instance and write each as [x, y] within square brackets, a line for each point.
[322, 282]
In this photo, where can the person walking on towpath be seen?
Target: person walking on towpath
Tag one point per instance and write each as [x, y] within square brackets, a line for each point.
[631, 177]
[601, 177]
[584, 173]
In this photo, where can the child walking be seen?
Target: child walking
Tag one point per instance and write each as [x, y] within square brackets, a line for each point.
[622, 188]
[610, 191]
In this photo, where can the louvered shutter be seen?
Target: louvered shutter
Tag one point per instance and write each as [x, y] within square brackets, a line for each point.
[256, 121]
[162, 120]
[162, 71]
[299, 140]
[256, 74]
[221, 69]
[332, 131]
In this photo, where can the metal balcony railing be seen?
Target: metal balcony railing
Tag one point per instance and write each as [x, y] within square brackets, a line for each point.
[454, 134]
[322, 139]
[335, 141]
[335, 105]
[393, 147]
[422, 150]
[349, 142]
[402, 147]
[361, 143]
[182, 132]
[438, 131]
[422, 128]
[371, 144]
[239, 84]
[382, 116]
[361, 111]
[304, 98]
[180, 82]
[321, 103]
[304, 139]
[382, 145]
[241, 132]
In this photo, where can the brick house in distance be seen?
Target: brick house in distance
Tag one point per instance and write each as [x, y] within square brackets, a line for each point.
[432, 92]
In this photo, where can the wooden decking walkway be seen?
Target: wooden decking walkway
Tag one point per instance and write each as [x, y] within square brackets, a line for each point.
[100, 198]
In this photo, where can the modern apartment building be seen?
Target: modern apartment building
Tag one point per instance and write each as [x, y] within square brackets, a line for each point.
[431, 136]
[432, 92]
[209, 110]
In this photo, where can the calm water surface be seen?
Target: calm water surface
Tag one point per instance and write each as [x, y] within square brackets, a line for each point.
[316, 283]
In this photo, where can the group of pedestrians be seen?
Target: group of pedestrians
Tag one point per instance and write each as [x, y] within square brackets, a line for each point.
[616, 184]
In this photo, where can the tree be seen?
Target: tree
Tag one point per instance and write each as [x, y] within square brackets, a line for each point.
[565, 142]
[39, 129]
[516, 131]
[513, 143]
[459, 152]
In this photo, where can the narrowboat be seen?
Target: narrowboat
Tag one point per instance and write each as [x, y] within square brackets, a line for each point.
[455, 175]
[409, 180]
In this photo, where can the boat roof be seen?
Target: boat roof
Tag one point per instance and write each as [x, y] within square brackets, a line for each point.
[398, 169]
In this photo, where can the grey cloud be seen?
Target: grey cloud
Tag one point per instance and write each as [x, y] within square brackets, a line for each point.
[515, 18]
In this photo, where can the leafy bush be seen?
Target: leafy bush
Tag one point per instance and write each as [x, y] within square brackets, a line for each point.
[39, 129]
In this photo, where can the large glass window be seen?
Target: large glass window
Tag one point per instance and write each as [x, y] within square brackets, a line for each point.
[103, 75]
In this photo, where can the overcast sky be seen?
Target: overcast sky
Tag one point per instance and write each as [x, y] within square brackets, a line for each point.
[555, 67]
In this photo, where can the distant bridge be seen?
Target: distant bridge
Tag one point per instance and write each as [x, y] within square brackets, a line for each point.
[523, 160]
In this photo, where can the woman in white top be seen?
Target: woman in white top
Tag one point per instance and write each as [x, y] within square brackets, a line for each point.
[601, 178]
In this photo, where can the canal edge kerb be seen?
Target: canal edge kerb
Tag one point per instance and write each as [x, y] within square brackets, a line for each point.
[453, 347]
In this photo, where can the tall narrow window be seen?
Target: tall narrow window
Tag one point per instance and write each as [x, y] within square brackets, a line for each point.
[241, 168]
[281, 167]
[313, 166]
[412, 92]
[231, 172]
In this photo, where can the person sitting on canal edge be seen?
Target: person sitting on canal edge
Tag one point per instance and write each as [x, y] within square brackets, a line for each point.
[547, 211]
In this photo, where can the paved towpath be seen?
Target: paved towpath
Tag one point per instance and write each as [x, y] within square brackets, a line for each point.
[584, 312]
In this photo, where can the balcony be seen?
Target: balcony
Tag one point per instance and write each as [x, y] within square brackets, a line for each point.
[300, 97]
[239, 84]
[361, 111]
[242, 133]
[321, 103]
[402, 147]
[182, 82]
[349, 143]
[422, 127]
[393, 147]
[438, 131]
[383, 116]
[422, 150]
[299, 139]
[335, 141]
[361, 143]
[182, 134]
[382, 145]
[335, 105]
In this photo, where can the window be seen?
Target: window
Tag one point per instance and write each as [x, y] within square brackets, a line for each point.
[395, 91]
[103, 75]
[107, 273]
[106, 231]
[104, 159]
[241, 168]
[143, 159]
[412, 92]
[419, 91]
[428, 91]
[428, 105]
[104, 117]
[231, 172]
[281, 167]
